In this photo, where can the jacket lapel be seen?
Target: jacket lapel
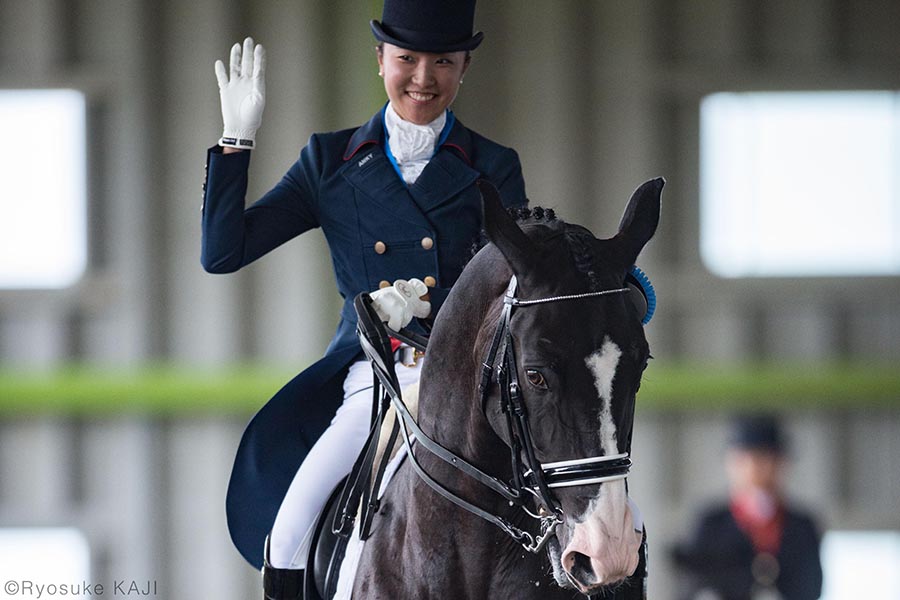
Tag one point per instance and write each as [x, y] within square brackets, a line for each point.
[368, 169]
[448, 173]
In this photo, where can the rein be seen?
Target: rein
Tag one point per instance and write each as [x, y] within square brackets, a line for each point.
[528, 474]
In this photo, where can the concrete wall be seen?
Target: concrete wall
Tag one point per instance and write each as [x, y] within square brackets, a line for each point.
[596, 97]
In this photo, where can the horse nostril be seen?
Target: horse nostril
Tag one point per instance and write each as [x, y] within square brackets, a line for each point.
[579, 567]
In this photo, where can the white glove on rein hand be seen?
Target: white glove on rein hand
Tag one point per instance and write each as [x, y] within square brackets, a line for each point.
[396, 305]
[243, 94]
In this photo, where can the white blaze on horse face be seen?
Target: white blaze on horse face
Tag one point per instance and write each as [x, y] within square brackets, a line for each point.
[607, 534]
[603, 364]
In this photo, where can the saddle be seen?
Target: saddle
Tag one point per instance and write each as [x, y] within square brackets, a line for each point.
[326, 553]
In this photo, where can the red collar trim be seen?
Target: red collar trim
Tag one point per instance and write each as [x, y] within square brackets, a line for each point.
[351, 153]
[459, 149]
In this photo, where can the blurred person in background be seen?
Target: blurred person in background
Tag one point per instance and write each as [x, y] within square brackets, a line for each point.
[397, 202]
[757, 546]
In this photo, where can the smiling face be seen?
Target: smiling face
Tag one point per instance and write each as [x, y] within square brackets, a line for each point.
[420, 85]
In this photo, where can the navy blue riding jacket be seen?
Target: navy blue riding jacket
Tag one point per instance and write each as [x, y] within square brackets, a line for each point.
[378, 229]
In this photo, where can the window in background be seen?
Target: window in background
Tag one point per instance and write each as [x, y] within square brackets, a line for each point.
[43, 556]
[43, 223]
[861, 564]
[800, 184]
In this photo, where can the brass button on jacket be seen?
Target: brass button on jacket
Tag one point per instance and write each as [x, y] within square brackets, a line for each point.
[427, 243]
[384, 283]
[430, 281]
[380, 247]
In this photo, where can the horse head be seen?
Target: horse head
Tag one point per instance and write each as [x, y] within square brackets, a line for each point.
[579, 355]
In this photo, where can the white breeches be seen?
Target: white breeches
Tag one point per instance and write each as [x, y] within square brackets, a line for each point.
[329, 461]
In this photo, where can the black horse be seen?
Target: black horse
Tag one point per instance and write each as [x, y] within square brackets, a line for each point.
[530, 378]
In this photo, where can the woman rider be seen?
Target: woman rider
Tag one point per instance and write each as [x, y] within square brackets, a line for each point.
[397, 202]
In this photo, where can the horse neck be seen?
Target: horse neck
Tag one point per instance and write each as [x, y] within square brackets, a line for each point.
[450, 413]
[449, 400]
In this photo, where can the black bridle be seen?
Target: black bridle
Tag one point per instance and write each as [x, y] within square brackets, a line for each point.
[529, 475]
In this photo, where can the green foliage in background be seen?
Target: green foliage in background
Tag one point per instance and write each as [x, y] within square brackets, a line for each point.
[159, 390]
[770, 387]
[172, 391]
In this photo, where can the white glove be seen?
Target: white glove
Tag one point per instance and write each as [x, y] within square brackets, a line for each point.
[396, 305]
[243, 95]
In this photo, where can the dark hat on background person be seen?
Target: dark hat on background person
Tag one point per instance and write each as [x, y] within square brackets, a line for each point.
[428, 25]
[758, 432]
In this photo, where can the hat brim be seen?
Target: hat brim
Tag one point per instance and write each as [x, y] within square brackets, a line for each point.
[435, 46]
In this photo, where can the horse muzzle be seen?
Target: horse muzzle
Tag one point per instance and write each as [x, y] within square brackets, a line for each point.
[603, 545]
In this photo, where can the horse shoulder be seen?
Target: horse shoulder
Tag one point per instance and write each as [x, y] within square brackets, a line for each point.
[381, 566]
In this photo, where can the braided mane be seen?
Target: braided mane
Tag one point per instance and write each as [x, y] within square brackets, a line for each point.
[579, 240]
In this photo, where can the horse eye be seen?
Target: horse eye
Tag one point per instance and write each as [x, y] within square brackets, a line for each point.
[536, 378]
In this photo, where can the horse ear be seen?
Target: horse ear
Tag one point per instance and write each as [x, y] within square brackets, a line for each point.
[640, 220]
[503, 231]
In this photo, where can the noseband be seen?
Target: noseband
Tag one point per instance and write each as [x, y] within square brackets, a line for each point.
[528, 474]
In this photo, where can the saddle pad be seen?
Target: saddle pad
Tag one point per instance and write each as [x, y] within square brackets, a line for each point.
[355, 546]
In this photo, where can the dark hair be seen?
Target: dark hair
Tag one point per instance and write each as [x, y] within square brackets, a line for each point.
[379, 47]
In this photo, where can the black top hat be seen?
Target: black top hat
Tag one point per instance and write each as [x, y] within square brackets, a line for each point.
[428, 25]
[758, 432]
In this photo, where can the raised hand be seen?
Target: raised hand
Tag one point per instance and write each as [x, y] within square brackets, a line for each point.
[243, 94]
